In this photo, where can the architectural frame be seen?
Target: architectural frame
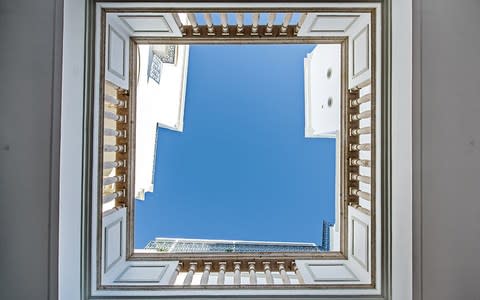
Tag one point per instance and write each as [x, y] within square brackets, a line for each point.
[382, 114]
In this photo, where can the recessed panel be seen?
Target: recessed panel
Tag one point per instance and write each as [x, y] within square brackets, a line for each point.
[142, 274]
[332, 23]
[333, 272]
[116, 53]
[360, 242]
[113, 244]
[361, 57]
[146, 23]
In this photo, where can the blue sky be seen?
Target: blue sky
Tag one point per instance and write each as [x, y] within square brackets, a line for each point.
[242, 168]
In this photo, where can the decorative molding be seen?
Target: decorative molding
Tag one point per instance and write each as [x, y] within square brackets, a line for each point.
[113, 39]
[360, 241]
[141, 274]
[358, 46]
[149, 24]
[260, 292]
[113, 243]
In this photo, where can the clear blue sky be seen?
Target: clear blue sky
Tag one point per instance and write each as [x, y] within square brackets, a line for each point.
[242, 168]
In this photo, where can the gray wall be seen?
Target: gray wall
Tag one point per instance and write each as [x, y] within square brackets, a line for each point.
[446, 148]
[30, 61]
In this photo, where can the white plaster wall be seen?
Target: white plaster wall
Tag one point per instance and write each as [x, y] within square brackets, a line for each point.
[159, 105]
[321, 119]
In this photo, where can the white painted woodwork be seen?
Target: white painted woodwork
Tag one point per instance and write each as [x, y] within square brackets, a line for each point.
[322, 71]
[113, 247]
[326, 272]
[359, 52]
[150, 24]
[117, 51]
[130, 275]
[303, 16]
[359, 239]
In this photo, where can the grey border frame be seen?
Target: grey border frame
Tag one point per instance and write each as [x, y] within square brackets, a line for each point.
[385, 181]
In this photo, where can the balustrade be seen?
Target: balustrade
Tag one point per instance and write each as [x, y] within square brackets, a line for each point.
[239, 29]
[238, 273]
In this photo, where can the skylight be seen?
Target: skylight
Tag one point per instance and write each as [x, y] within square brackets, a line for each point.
[225, 152]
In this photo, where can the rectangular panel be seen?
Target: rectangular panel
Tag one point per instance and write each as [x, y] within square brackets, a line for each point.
[149, 24]
[141, 274]
[360, 232]
[360, 47]
[146, 23]
[328, 24]
[113, 244]
[116, 52]
[333, 272]
[360, 60]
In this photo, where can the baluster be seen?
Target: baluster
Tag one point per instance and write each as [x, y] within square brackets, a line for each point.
[255, 18]
[297, 273]
[114, 179]
[285, 23]
[175, 274]
[364, 179]
[360, 147]
[270, 20]
[116, 133]
[221, 273]
[359, 162]
[364, 99]
[236, 273]
[224, 21]
[300, 23]
[360, 116]
[113, 116]
[114, 101]
[206, 273]
[359, 131]
[114, 164]
[361, 194]
[240, 24]
[268, 273]
[193, 21]
[209, 22]
[191, 271]
[113, 196]
[253, 274]
[115, 148]
[283, 272]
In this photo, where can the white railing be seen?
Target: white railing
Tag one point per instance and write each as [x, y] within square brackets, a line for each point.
[207, 273]
[115, 147]
[273, 27]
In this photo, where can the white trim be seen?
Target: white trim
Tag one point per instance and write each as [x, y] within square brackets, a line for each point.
[402, 226]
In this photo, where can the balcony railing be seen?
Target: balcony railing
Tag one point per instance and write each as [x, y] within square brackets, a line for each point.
[284, 27]
[260, 272]
[359, 157]
[115, 146]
